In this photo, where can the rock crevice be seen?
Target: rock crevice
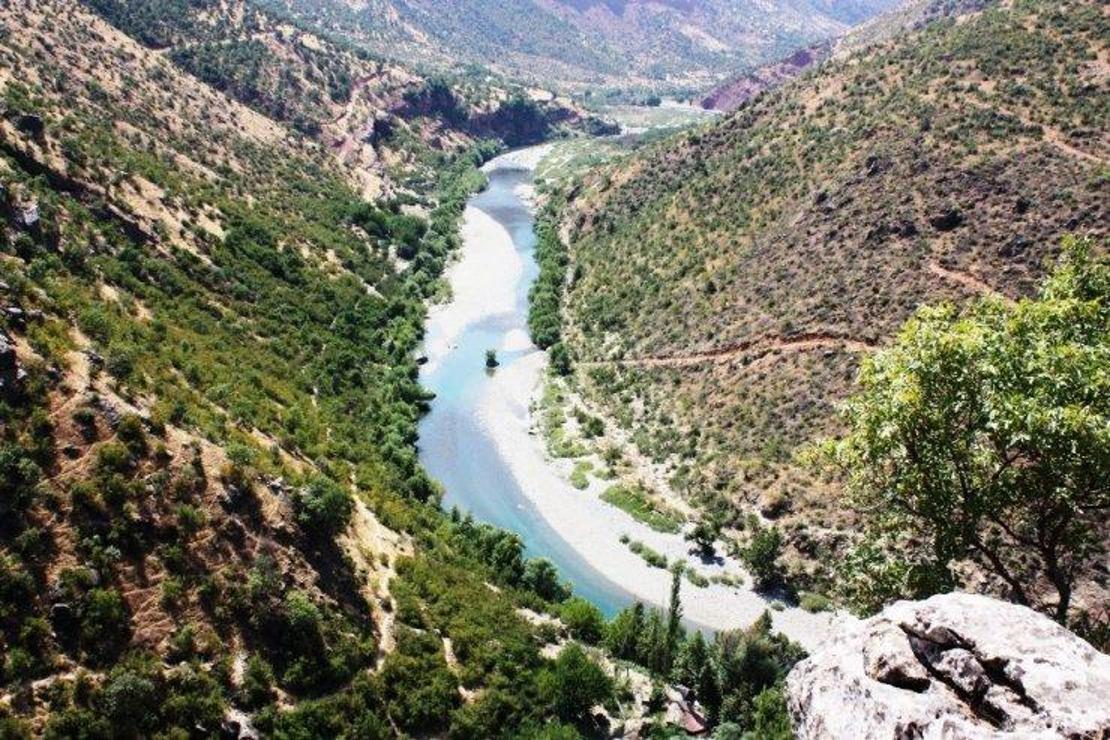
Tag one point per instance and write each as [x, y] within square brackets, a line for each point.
[953, 666]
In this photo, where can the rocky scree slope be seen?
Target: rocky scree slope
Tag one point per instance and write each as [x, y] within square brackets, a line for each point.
[776, 245]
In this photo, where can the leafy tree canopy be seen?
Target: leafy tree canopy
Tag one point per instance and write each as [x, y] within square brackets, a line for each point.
[985, 433]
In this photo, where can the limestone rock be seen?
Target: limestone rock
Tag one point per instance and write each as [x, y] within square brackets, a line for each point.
[952, 666]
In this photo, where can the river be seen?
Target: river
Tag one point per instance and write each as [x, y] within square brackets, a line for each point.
[455, 447]
[478, 439]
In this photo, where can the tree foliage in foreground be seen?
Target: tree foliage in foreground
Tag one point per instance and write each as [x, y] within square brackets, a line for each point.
[984, 434]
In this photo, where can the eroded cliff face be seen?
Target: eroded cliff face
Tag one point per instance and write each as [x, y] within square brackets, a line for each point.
[952, 666]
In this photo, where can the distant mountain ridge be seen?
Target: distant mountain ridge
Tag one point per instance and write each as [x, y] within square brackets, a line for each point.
[591, 42]
[910, 15]
[342, 96]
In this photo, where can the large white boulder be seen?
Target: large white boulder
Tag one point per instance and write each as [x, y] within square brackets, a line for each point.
[953, 666]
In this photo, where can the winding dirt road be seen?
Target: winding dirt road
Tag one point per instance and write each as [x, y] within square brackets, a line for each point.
[749, 350]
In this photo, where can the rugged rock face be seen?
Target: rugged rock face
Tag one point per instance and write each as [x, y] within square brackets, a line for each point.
[952, 666]
[740, 90]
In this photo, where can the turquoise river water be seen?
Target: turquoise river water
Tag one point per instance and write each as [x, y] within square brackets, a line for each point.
[455, 449]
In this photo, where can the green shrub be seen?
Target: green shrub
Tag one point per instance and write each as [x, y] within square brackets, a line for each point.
[635, 502]
[579, 476]
[18, 477]
[651, 557]
[560, 359]
[575, 684]
[814, 602]
[323, 508]
[419, 689]
[257, 689]
[542, 578]
[104, 625]
[130, 431]
[583, 619]
[762, 556]
[113, 457]
[12, 728]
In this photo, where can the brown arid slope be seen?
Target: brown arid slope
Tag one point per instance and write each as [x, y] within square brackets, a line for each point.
[724, 283]
[736, 92]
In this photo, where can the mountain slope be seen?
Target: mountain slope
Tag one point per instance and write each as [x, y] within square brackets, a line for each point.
[212, 518]
[904, 17]
[357, 105]
[589, 42]
[724, 283]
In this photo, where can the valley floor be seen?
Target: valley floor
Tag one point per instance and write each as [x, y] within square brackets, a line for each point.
[485, 285]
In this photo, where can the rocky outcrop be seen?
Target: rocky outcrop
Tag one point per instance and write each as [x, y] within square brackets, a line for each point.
[740, 90]
[952, 666]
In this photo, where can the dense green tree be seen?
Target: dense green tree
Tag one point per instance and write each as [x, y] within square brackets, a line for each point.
[14, 729]
[674, 621]
[747, 663]
[104, 625]
[623, 633]
[257, 689]
[770, 719]
[704, 536]
[583, 619]
[324, 508]
[560, 359]
[541, 577]
[545, 298]
[575, 683]
[418, 687]
[762, 556]
[552, 731]
[129, 699]
[652, 649]
[694, 668]
[985, 433]
[18, 476]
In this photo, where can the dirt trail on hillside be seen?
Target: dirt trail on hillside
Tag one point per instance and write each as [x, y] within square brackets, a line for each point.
[967, 280]
[750, 350]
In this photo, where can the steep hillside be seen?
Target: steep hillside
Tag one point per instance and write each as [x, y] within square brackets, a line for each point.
[212, 518]
[724, 284]
[904, 17]
[590, 43]
[355, 104]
